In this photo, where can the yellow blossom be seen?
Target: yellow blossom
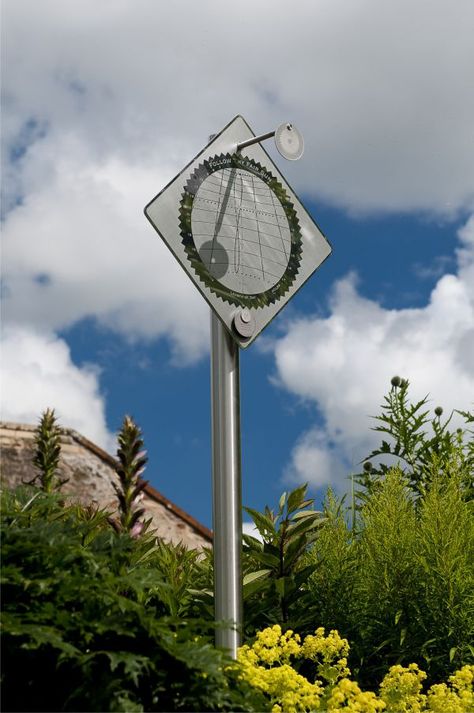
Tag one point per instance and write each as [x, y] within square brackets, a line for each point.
[270, 664]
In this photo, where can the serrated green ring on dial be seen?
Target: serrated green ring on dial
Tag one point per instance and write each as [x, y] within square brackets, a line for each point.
[204, 170]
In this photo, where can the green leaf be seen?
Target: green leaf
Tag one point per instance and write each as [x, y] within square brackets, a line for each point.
[296, 497]
[260, 574]
[306, 524]
[262, 522]
[281, 502]
[267, 559]
[304, 513]
[252, 543]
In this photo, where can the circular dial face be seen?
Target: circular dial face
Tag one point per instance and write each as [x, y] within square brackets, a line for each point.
[240, 231]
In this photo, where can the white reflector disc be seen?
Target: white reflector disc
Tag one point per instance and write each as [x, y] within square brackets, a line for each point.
[289, 142]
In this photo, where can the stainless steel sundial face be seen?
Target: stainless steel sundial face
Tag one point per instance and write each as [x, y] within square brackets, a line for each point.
[239, 231]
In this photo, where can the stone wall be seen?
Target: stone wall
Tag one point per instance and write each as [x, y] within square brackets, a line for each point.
[90, 474]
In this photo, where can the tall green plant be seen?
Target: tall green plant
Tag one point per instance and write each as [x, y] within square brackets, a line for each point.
[401, 587]
[334, 559]
[47, 453]
[386, 582]
[132, 459]
[275, 566]
[445, 567]
[417, 439]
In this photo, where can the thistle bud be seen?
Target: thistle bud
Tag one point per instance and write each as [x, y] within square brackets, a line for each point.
[396, 381]
[438, 411]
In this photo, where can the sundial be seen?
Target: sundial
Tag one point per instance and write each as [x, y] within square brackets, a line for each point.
[248, 244]
[238, 229]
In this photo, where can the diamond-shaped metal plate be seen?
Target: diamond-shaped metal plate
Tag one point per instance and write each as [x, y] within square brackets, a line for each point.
[239, 231]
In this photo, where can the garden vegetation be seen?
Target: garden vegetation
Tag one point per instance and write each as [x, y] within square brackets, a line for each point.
[362, 606]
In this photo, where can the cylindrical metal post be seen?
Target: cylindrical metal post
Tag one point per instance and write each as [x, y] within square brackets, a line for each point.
[255, 140]
[227, 487]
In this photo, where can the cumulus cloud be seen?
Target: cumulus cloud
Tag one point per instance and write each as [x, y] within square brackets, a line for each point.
[102, 103]
[102, 106]
[79, 246]
[380, 90]
[344, 363]
[38, 373]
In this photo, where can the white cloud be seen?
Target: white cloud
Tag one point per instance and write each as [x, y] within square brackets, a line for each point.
[102, 106]
[80, 246]
[104, 102]
[38, 373]
[380, 90]
[344, 363]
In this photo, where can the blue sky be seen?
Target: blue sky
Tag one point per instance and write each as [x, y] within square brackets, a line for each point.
[104, 103]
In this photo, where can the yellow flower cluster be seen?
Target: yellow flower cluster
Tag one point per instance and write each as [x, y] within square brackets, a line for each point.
[456, 697]
[347, 696]
[401, 689]
[269, 665]
[329, 652]
[287, 689]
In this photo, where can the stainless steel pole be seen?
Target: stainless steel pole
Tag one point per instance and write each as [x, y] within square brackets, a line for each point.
[227, 486]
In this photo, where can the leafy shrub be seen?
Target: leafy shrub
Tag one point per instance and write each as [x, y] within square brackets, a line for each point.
[416, 441]
[312, 674]
[47, 453]
[275, 567]
[405, 588]
[131, 461]
[91, 624]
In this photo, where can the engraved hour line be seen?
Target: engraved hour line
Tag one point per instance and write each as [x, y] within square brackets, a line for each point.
[251, 267]
[217, 220]
[262, 222]
[279, 228]
[259, 203]
[247, 240]
[237, 245]
[258, 233]
[210, 179]
[246, 252]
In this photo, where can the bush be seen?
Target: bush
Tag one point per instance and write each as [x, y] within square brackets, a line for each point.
[312, 674]
[90, 623]
[275, 567]
[418, 441]
[401, 587]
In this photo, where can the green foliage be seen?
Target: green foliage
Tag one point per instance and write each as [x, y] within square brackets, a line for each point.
[445, 565]
[334, 569]
[188, 577]
[90, 623]
[385, 590]
[402, 587]
[275, 570]
[47, 453]
[416, 440]
[131, 464]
